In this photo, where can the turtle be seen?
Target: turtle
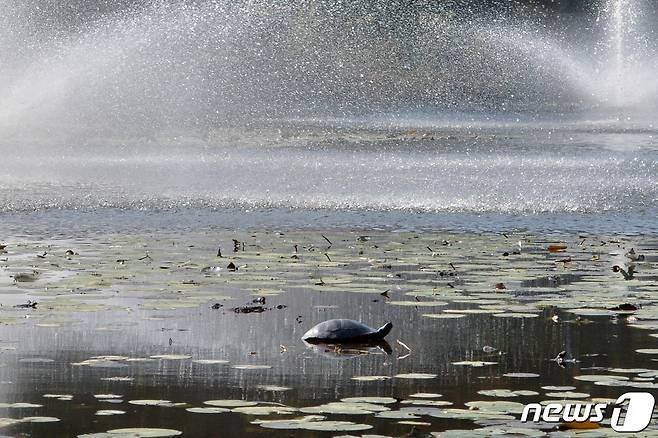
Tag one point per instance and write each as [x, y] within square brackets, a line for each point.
[345, 330]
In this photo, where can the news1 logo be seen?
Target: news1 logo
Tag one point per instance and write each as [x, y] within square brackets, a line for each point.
[630, 413]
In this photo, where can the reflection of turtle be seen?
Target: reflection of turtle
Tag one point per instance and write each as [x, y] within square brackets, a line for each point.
[350, 351]
[345, 330]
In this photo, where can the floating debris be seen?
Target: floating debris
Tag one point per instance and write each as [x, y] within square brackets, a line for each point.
[26, 277]
[249, 309]
[626, 307]
[558, 247]
[633, 256]
[628, 275]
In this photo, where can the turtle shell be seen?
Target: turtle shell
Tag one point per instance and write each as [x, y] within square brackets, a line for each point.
[341, 330]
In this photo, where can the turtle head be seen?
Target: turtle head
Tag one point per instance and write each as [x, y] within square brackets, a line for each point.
[385, 329]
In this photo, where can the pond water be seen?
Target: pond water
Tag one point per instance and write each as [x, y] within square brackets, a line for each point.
[126, 323]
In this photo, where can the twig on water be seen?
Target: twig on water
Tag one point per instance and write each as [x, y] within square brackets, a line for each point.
[404, 345]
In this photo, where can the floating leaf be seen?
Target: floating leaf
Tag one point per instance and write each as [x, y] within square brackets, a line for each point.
[40, 419]
[251, 367]
[506, 393]
[163, 403]
[521, 375]
[265, 410]
[558, 388]
[375, 400]
[418, 303]
[444, 315]
[143, 432]
[515, 315]
[171, 356]
[20, 405]
[426, 402]
[230, 403]
[599, 377]
[401, 414]
[109, 412]
[474, 363]
[415, 376]
[313, 422]
[567, 394]
[207, 410]
[426, 395]
[370, 378]
[504, 407]
[344, 408]
[273, 388]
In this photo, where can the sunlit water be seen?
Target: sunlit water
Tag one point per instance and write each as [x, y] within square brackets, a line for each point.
[372, 166]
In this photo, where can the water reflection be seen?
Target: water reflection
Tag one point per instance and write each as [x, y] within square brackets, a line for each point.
[264, 350]
[349, 350]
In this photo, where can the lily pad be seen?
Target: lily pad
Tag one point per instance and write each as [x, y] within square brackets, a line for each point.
[507, 393]
[474, 363]
[567, 394]
[265, 410]
[503, 407]
[144, 432]
[375, 400]
[171, 356]
[444, 315]
[251, 367]
[210, 361]
[558, 388]
[163, 403]
[207, 410]
[230, 403]
[109, 412]
[426, 395]
[416, 376]
[599, 377]
[370, 378]
[521, 375]
[273, 388]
